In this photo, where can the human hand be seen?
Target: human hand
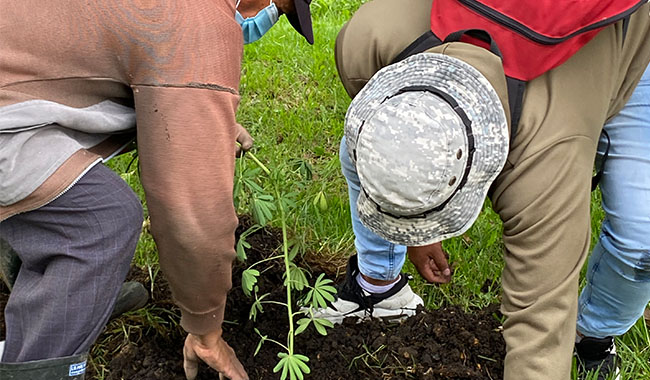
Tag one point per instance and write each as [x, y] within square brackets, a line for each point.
[244, 139]
[215, 352]
[431, 262]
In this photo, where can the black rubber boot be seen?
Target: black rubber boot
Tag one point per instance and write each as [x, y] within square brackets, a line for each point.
[67, 368]
[9, 264]
[132, 296]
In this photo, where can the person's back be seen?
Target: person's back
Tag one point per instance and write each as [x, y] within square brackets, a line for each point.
[62, 54]
[73, 73]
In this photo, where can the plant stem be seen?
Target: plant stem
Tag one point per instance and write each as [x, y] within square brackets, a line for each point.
[274, 302]
[267, 259]
[278, 343]
[285, 253]
[267, 171]
[287, 262]
[258, 162]
[300, 312]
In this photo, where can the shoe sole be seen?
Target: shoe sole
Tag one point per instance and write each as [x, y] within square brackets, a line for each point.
[389, 315]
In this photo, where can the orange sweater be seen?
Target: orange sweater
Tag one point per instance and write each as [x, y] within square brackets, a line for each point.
[177, 64]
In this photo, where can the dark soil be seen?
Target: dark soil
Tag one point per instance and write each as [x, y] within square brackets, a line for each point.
[435, 344]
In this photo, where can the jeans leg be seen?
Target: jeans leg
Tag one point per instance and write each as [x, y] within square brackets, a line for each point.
[75, 254]
[378, 258]
[618, 277]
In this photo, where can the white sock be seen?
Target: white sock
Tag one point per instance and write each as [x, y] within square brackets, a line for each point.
[375, 289]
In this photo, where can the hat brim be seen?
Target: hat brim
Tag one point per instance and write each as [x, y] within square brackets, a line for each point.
[476, 96]
[301, 20]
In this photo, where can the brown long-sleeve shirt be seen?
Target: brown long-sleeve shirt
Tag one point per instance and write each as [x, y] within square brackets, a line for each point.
[176, 64]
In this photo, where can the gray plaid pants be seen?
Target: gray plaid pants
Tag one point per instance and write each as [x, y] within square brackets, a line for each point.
[75, 253]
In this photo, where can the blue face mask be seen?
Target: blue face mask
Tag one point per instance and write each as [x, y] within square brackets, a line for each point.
[255, 27]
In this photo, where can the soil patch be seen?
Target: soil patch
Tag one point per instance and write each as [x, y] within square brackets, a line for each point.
[435, 344]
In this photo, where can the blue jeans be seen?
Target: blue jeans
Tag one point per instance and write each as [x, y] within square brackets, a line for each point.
[378, 258]
[618, 277]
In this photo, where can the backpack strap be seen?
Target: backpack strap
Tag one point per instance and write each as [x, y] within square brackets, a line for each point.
[516, 89]
[479, 34]
[425, 42]
[626, 24]
[595, 179]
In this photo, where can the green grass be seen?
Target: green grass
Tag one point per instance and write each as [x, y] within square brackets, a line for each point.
[294, 106]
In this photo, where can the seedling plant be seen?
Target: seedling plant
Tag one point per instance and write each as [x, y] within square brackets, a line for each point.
[263, 205]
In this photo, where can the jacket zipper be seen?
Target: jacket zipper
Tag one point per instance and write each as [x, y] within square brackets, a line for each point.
[92, 165]
[525, 31]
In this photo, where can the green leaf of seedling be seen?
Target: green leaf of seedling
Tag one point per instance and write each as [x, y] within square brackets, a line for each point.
[242, 246]
[294, 371]
[302, 325]
[300, 365]
[248, 280]
[259, 344]
[256, 307]
[320, 201]
[328, 292]
[321, 324]
[252, 186]
[287, 203]
[308, 297]
[318, 300]
[303, 167]
[322, 281]
[262, 208]
[295, 248]
[293, 365]
[282, 364]
[321, 292]
[298, 278]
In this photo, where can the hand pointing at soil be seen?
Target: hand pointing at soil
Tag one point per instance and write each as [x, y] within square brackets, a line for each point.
[215, 352]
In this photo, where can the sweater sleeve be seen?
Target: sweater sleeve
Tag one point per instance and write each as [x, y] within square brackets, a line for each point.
[186, 147]
[183, 64]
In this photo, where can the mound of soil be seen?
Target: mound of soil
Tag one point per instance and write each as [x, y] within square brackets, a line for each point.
[434, 344]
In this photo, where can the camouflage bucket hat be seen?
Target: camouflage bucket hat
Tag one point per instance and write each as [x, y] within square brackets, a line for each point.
[427, 135]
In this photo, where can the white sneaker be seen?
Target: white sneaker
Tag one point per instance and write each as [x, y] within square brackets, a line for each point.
[353, 301]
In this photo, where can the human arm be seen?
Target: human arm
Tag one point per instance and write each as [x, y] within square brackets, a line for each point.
[187, 168]
[184, 72]
[431, 261]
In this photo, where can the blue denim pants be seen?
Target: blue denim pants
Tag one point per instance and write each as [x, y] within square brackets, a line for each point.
[618, 277]
[378, 258]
